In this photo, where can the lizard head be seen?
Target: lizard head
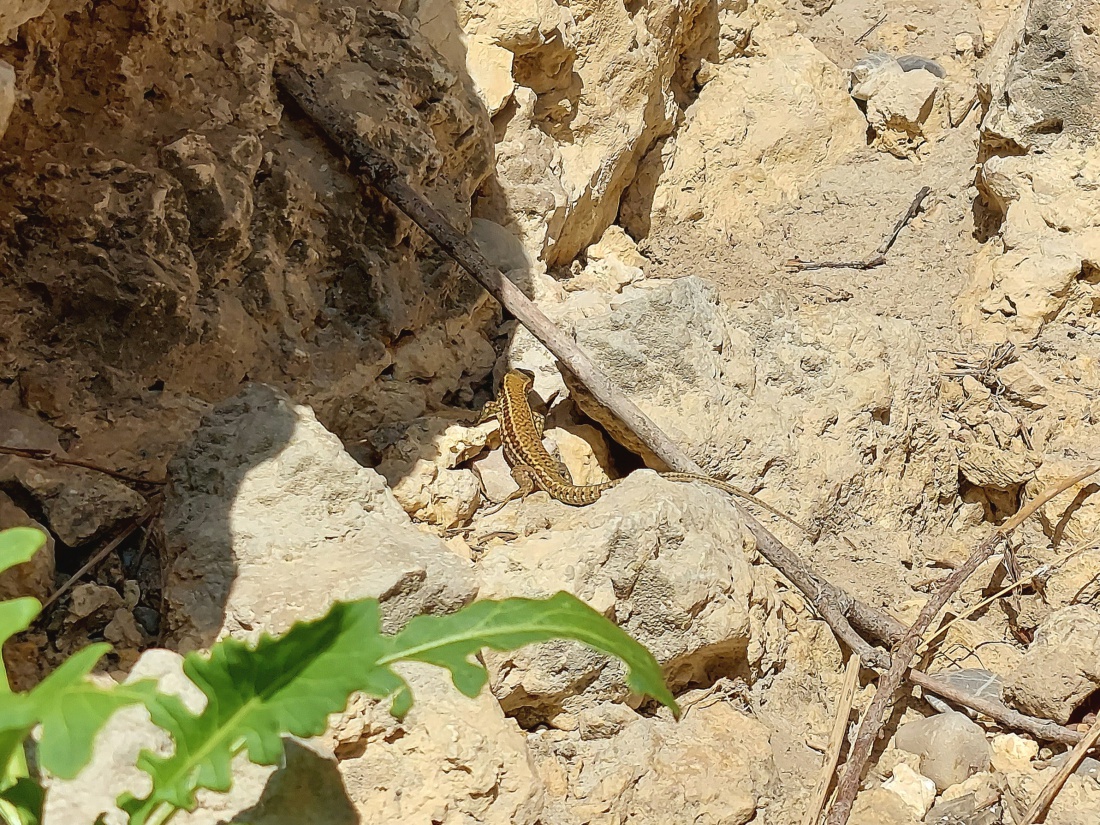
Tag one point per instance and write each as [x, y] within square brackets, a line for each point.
[519, 380]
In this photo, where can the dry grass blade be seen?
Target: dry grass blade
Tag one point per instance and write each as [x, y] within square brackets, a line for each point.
[836, 742]
[1075, 758]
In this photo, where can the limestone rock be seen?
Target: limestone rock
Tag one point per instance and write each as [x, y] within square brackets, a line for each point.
[878, 806]
[490, 68]
[1061, 667]
[451, 760]
[800, 408]
[665, 560]
[1011, 752]
[786, 109]
[582, 115]
[951, 747]
[268, 521]
[78, 504]
[985, 466]
[1077, 802]
[898, 109]
[1049, 244]
[421, 468]
[916, 790]
[1073, 580]
[1037, 89]
[660, 771]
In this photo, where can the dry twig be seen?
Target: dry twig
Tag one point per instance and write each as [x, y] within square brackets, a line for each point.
[1075, 758]
[867, 33]
[844, 614]
[875, 717]
[878, 257]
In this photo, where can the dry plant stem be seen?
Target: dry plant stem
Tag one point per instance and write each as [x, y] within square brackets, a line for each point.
[873, 719]
[1042, 729]
[138, 520]
[879, 256]
[836, 742]
[871, 726]
[867, 33]
[1075, 758]
[839, 609]
[50, 457]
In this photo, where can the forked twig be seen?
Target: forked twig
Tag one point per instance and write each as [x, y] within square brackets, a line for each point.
[876, 258]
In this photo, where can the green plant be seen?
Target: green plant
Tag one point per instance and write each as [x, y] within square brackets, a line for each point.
[289, 684]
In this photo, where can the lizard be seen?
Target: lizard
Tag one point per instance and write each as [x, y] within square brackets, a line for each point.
[533, 468]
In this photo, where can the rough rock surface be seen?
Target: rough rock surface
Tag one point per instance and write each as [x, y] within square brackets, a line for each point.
[174, 233]
[1061, 667]
[803, 409]
[655, 770]
[269, 521]
[667, 562]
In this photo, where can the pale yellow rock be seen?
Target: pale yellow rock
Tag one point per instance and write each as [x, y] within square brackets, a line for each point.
[420, 468]
[1011, 752]
[878, 806]
[1050, 239]
[583, 451]
[756, 136]
[898, 109]
[490, 68]
[917, 791]
[985, 466]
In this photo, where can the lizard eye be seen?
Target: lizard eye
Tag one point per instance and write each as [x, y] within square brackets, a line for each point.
[525, 373]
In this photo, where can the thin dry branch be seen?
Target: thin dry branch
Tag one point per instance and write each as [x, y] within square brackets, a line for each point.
[874, 26]
[836, 742]
[876, 258]
[50, 457]
[874, 719]
[1075, 758]
[844, 614]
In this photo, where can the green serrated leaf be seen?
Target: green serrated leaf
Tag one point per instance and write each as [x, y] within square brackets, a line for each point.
[18, 545]
[21, 804]
[291, 684]
[285, 685]
[16, 616]
[450, 641]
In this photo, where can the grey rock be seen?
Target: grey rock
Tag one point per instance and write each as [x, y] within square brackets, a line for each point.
[951, 747]
[1042, 78]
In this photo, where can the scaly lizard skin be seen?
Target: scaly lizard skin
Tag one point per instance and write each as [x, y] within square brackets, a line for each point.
[534, 468]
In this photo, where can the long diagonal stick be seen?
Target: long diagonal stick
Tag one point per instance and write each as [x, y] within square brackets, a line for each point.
[843, 613]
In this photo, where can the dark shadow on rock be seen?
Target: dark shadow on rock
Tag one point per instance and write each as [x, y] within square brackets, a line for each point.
[306, 788]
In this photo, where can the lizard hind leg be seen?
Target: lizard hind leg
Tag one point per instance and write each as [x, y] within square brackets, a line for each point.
[525, 478]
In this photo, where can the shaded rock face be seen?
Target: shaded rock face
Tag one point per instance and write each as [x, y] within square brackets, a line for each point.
[170, 232]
